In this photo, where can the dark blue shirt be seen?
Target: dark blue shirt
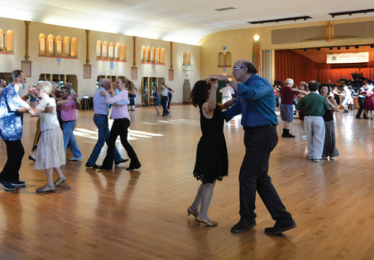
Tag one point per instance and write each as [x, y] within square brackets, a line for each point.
[11, 122]
[255, 103]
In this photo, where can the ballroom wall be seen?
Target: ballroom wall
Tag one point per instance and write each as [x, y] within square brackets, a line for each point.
[42, 65]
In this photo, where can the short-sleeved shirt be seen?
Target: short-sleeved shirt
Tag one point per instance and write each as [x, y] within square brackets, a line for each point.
[287, 95]
[68, 111]
[11, 121]
[47, 120]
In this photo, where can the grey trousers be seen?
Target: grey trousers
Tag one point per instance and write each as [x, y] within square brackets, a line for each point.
[314, 127]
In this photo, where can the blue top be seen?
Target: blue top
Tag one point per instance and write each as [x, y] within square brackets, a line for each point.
[11, 121]
[170, 89]
[99, 105]
[255, 103]
[155, 95]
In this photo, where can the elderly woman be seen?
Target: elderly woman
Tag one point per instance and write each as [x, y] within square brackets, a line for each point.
[50, 154]
[329, 148]
[120, 125]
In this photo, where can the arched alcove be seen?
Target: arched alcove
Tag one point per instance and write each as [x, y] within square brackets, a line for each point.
[163, 56]
[117, 50]
[98, 49]
[104, 50]
[66, 46]
[158, 55]
[228, 59]
[42, 44]
[111, 50]
[153, 54]
[2, 40]
[58, 47]
[74, 47]
[221, 59]
[123, 55]
[148, 59]
[188, 58]
[9, 41]
[184, 58]
[142, 54]
[50, 44]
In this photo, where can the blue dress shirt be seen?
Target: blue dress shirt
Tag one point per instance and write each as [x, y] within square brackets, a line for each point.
[11, 121]
[255, 103]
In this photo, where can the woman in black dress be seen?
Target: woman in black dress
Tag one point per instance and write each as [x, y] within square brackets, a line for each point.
[211, 157]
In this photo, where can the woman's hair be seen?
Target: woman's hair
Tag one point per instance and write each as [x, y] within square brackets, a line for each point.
[130, 86]
[123, 79]
[46, 86]
[303, 83]
[328, 89]
[199, 92]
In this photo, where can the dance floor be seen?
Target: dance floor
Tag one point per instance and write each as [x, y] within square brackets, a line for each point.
[142, 214]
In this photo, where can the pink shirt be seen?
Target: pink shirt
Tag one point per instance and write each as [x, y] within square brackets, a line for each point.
[119, 111]
[68, 111]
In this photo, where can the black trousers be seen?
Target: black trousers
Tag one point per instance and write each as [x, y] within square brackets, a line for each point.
[120, 128]
[361, 104]
[15, 154]
[170, 96]
[254, 177]
[164, 101]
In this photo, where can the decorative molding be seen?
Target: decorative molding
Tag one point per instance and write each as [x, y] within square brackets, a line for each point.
[171, 74]
[62, 57]
[134, 72]
[152, 63]
[111, 60]
[7, 53]
[134, 60]
[26, 67]
[87, 71]
[27, 29]
[88, 47]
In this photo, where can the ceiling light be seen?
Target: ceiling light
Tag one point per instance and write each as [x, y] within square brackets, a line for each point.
[356, 47]
[318, 49]
[305, 49]
[225, 9]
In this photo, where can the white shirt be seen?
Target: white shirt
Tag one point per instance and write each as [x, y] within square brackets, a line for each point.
[47, 120]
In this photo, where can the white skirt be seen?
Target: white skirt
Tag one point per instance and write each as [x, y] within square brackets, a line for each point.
[50, 152]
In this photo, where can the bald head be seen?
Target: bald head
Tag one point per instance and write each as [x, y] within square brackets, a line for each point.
[105, 83]
[243, 69]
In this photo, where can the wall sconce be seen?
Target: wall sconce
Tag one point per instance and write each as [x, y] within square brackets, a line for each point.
[256, 37]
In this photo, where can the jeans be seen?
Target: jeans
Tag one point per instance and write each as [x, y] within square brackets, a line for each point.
[120, 128]
[254, 177]
[69, 138]
[164, 100]
[15, 154]
[101, 121]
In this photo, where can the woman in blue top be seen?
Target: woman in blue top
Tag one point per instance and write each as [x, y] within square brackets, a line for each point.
[156, 99]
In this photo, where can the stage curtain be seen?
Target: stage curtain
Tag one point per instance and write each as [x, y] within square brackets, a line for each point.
[289, 64]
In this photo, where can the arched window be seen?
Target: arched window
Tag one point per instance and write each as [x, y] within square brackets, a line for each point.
[98, 49]
[50, 44]
[111, 50]
[66, 46]
[163, 56]
[153, 54]
[117, 49]
[148, 59]
[228, 59]
[104, 50]
[123, 52]
[188, 58]
[58, 47]
[221, 60]
[158, 55]
[142, 54]
[184, 58]
[74, 47]
[10, 41]
[2, 40]
[41, 44]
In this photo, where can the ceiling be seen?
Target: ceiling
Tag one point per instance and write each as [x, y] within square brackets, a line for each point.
[173, 20]
[321, 55]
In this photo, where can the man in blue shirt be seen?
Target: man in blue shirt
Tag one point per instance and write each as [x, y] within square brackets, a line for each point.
[11, 124]
[256, 104]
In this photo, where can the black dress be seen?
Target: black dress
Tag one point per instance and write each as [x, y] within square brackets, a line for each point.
[211, 157]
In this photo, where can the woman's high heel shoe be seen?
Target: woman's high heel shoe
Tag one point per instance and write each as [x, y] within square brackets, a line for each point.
[190, 211]
[208, 223]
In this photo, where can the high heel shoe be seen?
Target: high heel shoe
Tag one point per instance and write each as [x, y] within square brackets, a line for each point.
[208, 223]
[45, 189]
[190, 211]
[59, 181]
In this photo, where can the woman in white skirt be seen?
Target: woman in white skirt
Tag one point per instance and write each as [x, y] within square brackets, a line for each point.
[50, 154]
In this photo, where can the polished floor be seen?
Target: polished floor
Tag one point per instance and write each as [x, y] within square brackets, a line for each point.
[142, 214]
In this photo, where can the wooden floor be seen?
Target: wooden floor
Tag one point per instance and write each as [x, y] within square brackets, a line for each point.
[142, 214]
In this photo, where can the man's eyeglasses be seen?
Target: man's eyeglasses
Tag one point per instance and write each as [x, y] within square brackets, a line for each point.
[236, 68]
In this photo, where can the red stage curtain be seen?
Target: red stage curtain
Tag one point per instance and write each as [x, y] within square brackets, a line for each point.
[289, 64]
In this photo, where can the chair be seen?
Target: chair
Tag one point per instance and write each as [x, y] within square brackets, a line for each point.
[85, 103]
